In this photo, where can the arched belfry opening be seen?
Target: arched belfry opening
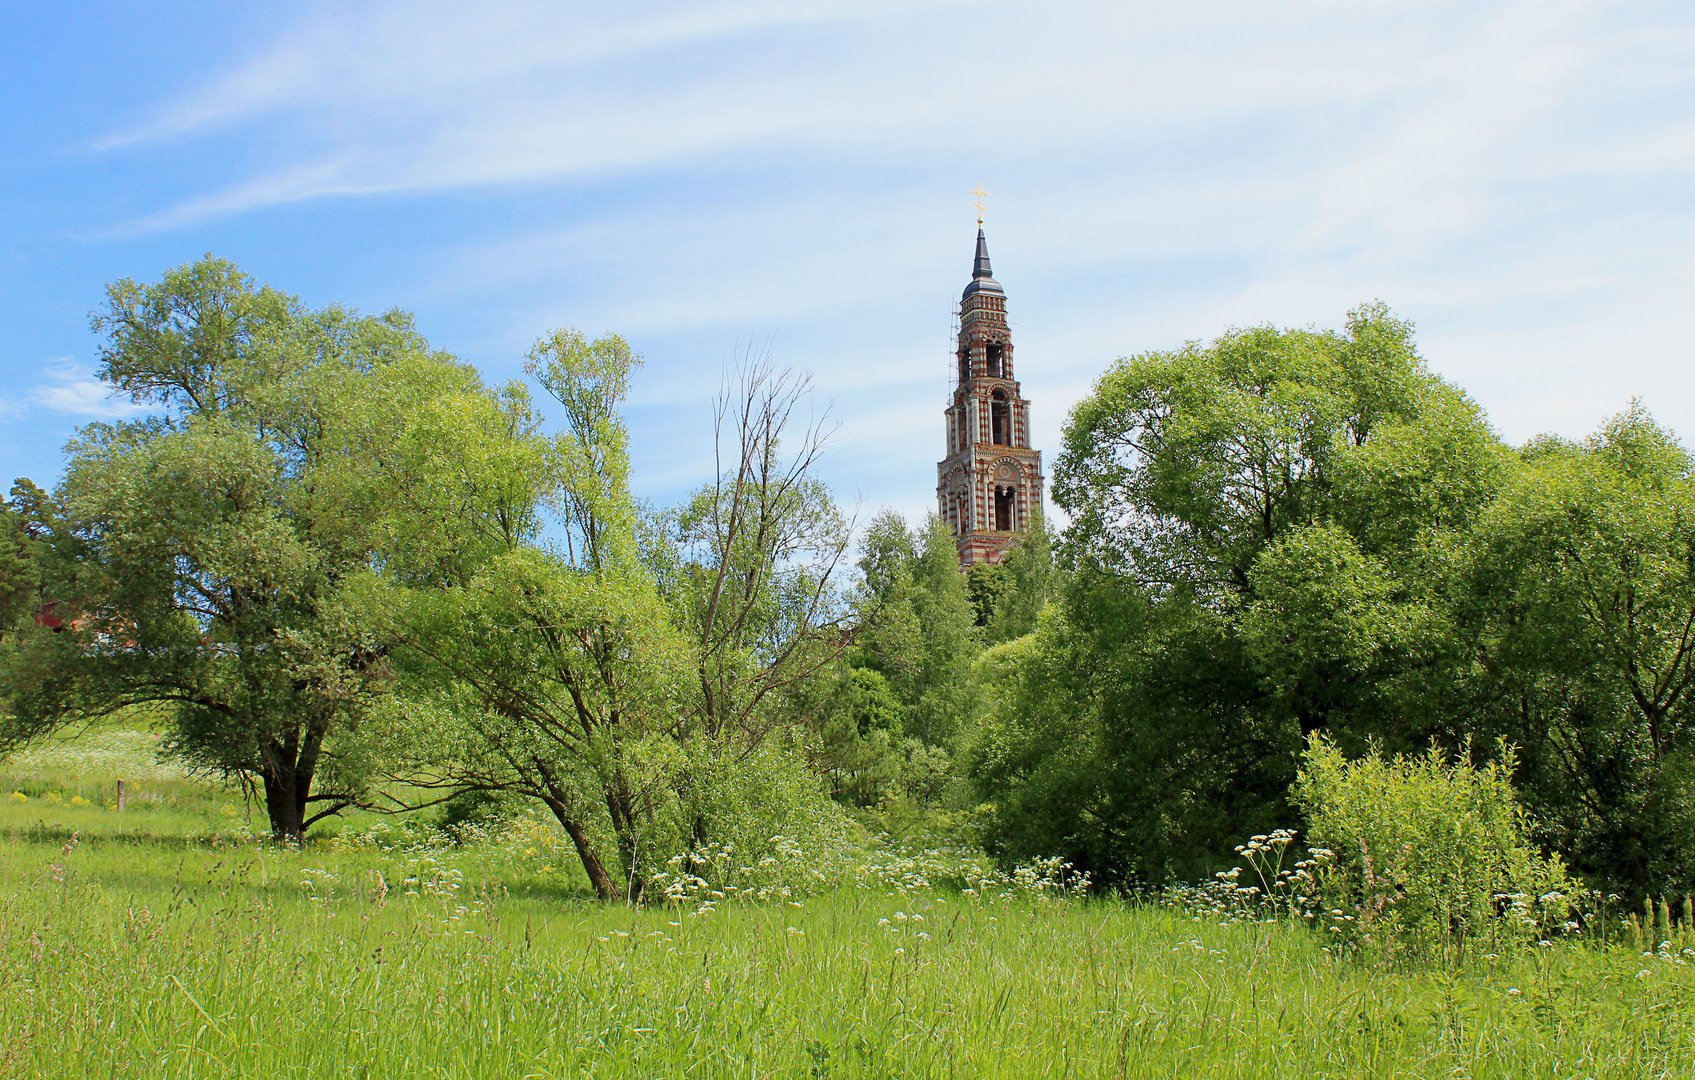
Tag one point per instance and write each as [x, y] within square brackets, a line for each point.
[1006, 508]
[990, 486]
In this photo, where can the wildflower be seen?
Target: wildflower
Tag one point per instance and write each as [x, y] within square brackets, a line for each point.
[18, 796]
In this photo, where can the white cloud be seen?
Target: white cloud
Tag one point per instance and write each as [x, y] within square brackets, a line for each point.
[72, 391]
[793, 174]
[394, 55]
[392, 101]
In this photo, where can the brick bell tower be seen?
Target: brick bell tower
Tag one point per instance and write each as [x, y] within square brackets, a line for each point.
[990, 484]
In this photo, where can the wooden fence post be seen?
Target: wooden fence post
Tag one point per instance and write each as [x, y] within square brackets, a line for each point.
[120, 796]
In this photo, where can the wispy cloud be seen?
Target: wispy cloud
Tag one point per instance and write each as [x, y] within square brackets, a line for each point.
[72, 391]
[1513, 174]
[391, 56]
[392, 100]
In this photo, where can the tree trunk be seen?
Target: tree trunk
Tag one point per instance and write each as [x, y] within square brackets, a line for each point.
[285, 803]
[605, 886]
[621, 807]
[288, 781]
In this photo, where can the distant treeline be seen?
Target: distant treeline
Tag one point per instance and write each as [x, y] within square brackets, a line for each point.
[346, 570]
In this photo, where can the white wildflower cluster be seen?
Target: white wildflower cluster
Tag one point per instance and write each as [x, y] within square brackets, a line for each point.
[906, 929]
[702, 879]
[425, 876]
[318, 884]
[1669, 953]
[1264, 888]
[971, 874]
[1537, 914]
[705, 877]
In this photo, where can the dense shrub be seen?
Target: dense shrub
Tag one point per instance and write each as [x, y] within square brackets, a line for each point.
[1423, 858]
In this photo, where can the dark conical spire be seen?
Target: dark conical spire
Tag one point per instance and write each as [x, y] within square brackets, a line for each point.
[982, 278]
[982, 270]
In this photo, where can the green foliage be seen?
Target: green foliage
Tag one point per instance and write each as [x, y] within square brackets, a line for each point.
[754, 558]
[1030, 581]
[1425, 859]
[856, 728]
[919, 630]
[1267, 542]
[1585, 571]
[1035, 759]
[557, 669]
[19, 573]
[216, 556]
[986, 586]
[1323, 627]
[1181, 467]
[626, 671]
[744, 806]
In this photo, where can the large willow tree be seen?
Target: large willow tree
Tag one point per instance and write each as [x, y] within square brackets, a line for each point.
[215, 558]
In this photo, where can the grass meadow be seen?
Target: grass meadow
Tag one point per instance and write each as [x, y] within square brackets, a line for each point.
[168, 941]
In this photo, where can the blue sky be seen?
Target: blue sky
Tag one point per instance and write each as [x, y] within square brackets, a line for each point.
[709, 178]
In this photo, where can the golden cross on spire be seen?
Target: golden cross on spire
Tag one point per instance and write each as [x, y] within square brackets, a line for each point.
[981, 195]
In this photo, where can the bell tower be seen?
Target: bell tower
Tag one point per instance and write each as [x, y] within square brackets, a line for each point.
[989, 486]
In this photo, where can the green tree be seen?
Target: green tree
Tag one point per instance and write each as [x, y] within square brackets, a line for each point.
[917, 625]
[1031, 580]
[985, 585]
[20, 556]
[1035, 760]
[1183, 466]
[558, 667]
[856, 726]
[1585, 586]
[753, 581]
[627, 672]
[759, 550]
[1230, 585]
[219, 555]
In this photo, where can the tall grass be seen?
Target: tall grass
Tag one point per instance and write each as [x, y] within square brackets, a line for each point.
[155, 950]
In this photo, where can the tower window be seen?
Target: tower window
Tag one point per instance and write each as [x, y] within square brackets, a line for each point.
[1005, 511]
[964, 364]
[997, 358]
[1000, 419]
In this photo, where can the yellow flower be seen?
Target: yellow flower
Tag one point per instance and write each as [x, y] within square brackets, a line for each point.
[55, 797]
[18, 796]
[78, 800]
